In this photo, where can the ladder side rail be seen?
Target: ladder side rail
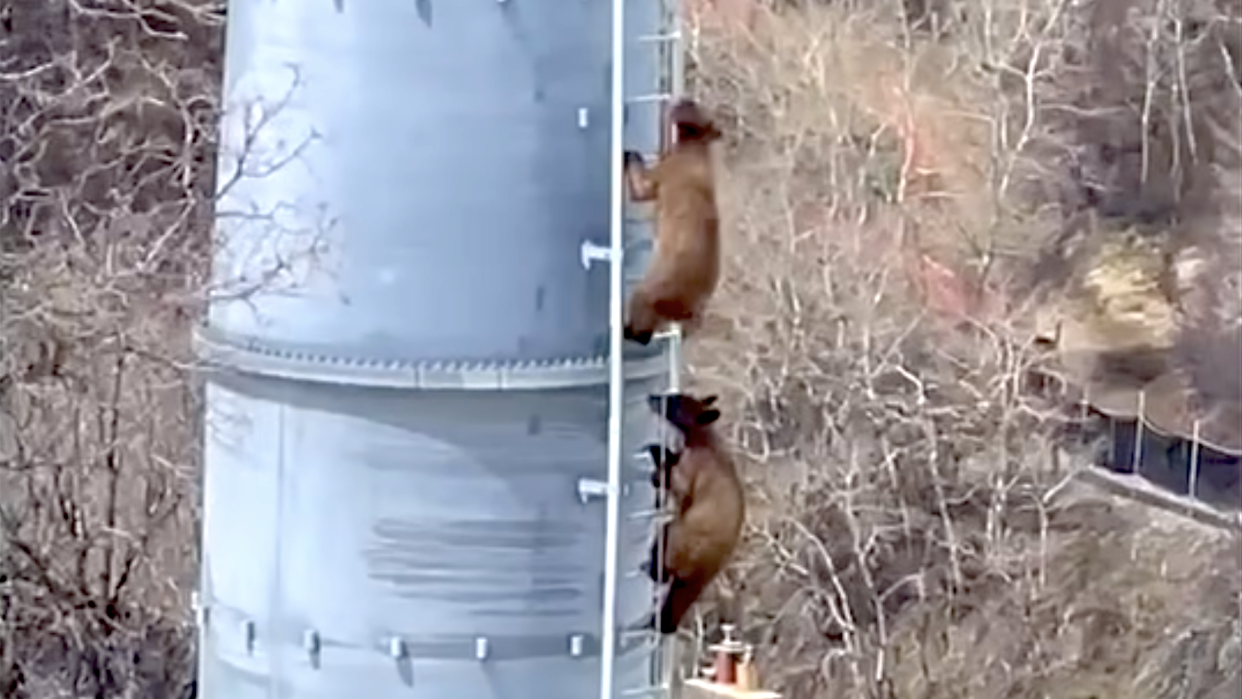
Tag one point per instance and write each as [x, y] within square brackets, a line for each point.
[675, 87]
[616, 374]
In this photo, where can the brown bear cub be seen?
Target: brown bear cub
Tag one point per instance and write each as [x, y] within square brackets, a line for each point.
[686, 263]
[709, 505]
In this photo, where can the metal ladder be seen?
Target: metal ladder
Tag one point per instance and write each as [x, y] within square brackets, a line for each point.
[667, 45]
[667, 42]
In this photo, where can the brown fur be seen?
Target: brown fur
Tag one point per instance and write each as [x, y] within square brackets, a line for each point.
[686, 264]
[709, 502]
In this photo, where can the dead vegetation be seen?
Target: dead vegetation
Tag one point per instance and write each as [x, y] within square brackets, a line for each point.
[107, 115]
[905, 210]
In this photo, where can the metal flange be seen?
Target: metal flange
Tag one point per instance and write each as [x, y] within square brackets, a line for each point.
[222, 351]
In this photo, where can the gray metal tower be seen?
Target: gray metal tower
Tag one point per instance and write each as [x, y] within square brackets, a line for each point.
[421, 476]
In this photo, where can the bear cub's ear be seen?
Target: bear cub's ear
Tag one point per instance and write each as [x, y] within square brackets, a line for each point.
[707, 417]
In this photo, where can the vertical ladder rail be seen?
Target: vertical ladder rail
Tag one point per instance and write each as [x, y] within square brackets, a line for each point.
[676, 87]
[616, 374]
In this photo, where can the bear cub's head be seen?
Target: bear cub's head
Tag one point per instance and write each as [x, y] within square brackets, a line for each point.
[692, 123]
[685, 412]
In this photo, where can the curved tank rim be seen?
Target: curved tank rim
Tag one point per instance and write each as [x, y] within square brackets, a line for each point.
[217, 350]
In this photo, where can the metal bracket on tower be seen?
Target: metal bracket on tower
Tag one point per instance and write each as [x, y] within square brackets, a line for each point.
[589, 488]
[200, 609]
[591, 253]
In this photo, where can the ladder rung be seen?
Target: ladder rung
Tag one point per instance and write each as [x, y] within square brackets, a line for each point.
[646, 575]
[653, 97]
[645, 691]
[639, 634]
[658, 38]
[658, 516]
[645, 454]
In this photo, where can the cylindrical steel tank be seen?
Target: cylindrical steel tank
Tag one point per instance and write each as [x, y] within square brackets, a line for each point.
[408, 360]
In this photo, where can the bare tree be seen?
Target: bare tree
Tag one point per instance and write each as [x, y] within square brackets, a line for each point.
[110, 110]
